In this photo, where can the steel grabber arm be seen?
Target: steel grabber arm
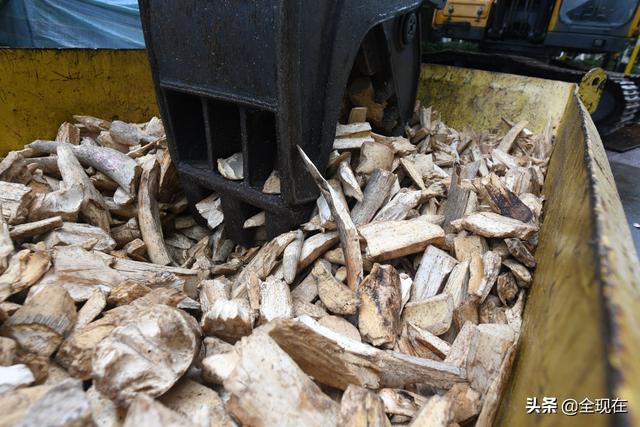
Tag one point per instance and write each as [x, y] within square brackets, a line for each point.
[263, 76]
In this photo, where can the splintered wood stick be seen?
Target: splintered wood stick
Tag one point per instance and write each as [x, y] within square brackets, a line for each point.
[93, 208]
[116, 165]
[149, 214]
[349, 238]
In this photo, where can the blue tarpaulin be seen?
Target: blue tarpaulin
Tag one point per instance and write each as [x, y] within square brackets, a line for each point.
[70, 23]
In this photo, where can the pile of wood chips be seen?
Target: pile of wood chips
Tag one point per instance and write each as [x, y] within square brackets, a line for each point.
[398, 303]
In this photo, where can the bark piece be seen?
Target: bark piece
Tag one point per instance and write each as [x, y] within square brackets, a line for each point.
[394, 239]
[457, 199]
[25, 268]
[148, 354]
[504, 201]
[64, 404]
[433, 314]
[435, 266]
[126, 292]
[275, 300]
[337, 297]
[341, 326]
[211, 210]
[127, 232]
[146, 412]
[291, 257]
[232, 167]
[293, 399]
[40, 325]
[200, 404]
[374, 155]
[507, 288]
[380, 301]
[401, 402]
[117, 166]
[149, 214]
[15, 200]
[489, 224]
[31, 229]
[349, 238]
[13, 377]
[335, 360]
[375, 193]
[361, 407]
[520, 252]
[136, 249]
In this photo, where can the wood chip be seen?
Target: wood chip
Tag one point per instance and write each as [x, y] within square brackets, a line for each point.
[272, 184]
[293, 399]
[374, 155]
[337, 361]
[489, 224]
[337, 297]
[275, 300]
[158, 345]
[31, 229]
[435, 266]
[144, 411]
[15, 200]
[379, 313]
[149, 214]
[232, 167]
[362, 407]
[25, 268]
[40, 325]
[394, 239]
[433, 314]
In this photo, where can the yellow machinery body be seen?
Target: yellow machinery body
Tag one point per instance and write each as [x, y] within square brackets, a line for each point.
[581, 331]
[473, 12]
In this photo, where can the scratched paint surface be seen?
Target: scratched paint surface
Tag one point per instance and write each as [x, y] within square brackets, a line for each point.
[581, 330]
[41, 88]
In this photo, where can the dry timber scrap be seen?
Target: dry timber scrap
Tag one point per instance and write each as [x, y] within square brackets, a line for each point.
[399, 302]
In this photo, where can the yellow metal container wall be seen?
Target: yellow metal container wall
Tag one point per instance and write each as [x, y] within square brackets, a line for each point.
[41, 88]
[581, 329]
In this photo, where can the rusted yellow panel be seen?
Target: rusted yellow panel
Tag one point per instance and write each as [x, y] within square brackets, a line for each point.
[482, 98]
[41, 88]
[581, 331]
